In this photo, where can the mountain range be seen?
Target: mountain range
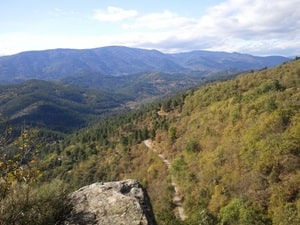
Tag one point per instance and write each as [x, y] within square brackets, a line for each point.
[57, 64]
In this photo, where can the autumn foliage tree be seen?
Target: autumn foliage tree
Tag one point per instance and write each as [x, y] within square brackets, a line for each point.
[17, 160]
[22, 196]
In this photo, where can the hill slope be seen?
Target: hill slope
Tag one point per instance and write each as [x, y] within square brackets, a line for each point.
[55, 106]
[233, 146]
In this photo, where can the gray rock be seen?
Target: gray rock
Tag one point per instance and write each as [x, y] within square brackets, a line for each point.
[111, 203]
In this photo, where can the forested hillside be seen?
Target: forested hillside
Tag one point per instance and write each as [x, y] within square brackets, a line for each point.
[234, 147]
[56, 106]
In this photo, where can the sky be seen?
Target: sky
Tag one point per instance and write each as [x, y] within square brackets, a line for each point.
[257, 27]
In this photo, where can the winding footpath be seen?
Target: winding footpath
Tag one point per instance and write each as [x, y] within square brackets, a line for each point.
[177, 199]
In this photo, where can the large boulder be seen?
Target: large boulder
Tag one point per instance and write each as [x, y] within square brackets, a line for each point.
[111, 203]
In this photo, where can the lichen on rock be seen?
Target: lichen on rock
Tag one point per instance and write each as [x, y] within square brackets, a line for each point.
[111, 203]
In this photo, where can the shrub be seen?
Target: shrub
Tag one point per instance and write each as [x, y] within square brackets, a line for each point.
[40, 205]
[192, 146]
[236, 213]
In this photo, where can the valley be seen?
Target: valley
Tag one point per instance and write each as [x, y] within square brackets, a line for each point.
[62, 90]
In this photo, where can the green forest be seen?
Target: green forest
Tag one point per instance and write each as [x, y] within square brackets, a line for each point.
[234, 148]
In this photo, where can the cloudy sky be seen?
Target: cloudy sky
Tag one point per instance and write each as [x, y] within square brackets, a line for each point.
[259, 27]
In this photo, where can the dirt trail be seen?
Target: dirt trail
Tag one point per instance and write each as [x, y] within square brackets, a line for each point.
[177, 198]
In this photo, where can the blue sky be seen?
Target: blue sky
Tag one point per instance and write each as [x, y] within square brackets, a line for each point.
[259, 27]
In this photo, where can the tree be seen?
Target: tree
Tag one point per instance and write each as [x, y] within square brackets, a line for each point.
[20, 200]
[172, 133]
[17, 161]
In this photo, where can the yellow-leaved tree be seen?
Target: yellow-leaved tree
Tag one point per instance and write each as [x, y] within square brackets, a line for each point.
[18, 158]
[22, 197]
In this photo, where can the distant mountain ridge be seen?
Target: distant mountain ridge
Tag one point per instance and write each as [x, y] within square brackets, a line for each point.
[207, 60]
[57, 64]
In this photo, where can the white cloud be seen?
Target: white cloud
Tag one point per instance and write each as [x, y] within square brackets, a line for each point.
[23, 42]
[255, 18]
[114, 14]
[163, 20]
[254, 26]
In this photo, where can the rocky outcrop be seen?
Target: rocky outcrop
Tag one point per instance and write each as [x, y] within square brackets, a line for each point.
[111, 203]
